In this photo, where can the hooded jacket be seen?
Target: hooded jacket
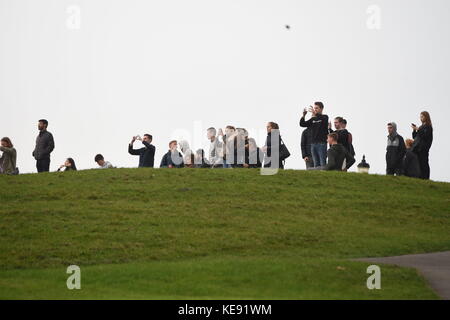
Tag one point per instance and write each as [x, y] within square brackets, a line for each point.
[395, 150]
[319, 128]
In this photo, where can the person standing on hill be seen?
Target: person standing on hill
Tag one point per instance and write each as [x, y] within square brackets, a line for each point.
[344, 137]
[395, 151]
[146, 154]
[306, 148]
[350, 137]
[339, 158]
[411, 165]
[228, 145]
[423, 139]
[215, 149]
[8, 158]
[44, 147]
[319, 128]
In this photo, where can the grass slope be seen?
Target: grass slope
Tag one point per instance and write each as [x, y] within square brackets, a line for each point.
[200, 234]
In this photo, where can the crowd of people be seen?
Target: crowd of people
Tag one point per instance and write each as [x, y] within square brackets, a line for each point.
[322, 148]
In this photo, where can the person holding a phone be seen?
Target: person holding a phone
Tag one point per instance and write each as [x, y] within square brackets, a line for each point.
[423, 139]
[319, 132]
[146, 154]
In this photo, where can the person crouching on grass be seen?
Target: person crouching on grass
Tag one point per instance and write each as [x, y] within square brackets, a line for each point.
[337, 154]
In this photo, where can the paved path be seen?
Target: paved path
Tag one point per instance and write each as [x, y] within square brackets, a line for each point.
[435, 267]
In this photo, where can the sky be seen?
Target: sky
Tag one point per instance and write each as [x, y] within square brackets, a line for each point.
[103, 71]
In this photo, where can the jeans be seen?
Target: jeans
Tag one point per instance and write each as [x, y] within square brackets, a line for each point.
[319, 154]
[43, 165]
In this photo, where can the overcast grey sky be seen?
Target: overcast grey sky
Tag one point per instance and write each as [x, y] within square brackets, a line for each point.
[102, 71]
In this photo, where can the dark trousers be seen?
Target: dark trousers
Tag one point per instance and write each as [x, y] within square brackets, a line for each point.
[393, 171]
[424, 165]
[309, 163]
[43, 165]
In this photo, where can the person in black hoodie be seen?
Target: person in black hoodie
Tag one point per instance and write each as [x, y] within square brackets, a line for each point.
[146, 154]
[423, 139]
[344, 137]
[395, 151]
[411, 166]
[319, 128]
[173, 158]
[306, 148]
[337, 154]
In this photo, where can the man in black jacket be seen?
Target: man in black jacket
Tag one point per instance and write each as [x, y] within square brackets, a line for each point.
[395, 151]
[173, 158]
[319, 131]
[146, 154]
[337, 154]
[44, 147]
[306, 148]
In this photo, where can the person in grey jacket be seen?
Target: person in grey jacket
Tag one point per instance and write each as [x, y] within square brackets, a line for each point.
[44, 147]
[395, 151]
[8, 158]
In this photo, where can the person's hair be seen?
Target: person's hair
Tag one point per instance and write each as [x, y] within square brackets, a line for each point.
[72, 163]
[390, 124]
[333, 136]
[242, 131]
[274, 125]
[8, 142]
[409, 143]
[339, 119]
[200, 152]
[344, 121]
[148, 136]
[319, 104]
[173, 141]
[213, 130]
[426, 114]
[45, 122]
[230, 127]
[99, 157]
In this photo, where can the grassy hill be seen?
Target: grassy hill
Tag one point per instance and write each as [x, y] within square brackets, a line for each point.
[216, 234]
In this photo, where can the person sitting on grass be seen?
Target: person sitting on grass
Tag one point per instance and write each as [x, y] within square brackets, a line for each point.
[102, 163]
[8, 158]
[173, 158]
[69, 165]
[339, 158]
[200, 160]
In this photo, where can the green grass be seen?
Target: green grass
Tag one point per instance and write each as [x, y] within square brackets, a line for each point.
[216, 234]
